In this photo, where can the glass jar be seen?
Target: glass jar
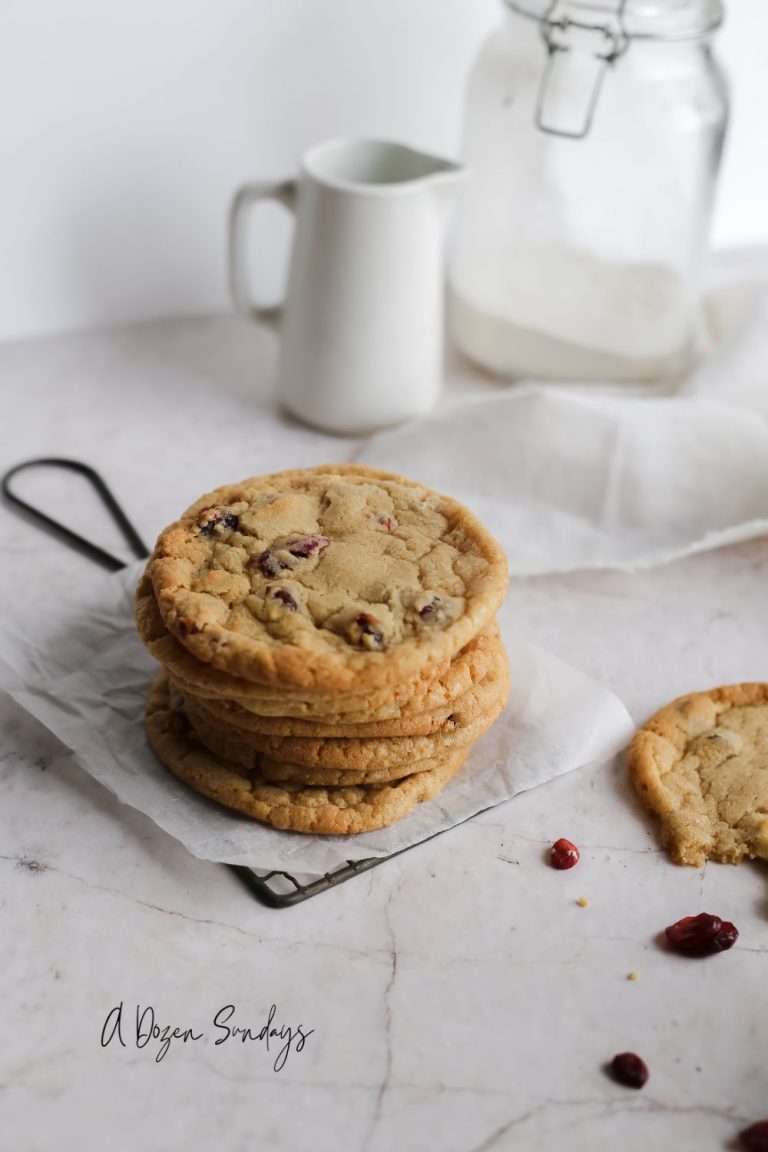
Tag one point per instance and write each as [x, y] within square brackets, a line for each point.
[593, 133]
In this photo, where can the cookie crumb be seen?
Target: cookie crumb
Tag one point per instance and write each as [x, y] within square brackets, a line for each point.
[633, 975]
[582, 902]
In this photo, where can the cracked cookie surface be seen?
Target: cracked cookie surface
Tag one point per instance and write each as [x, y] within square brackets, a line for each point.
[701, 764]
[336, 579]
[287, 805]
[436, 685]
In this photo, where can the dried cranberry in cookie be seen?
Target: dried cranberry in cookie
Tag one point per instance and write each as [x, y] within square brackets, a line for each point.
[273, 561]
[430, 609]
[218, 521]
[282, 596]
[283, 555]
[276, 603]
[366, 631]
[369, 628]
[267, 562]
[303, 546]
[383, 521]
[279, 601]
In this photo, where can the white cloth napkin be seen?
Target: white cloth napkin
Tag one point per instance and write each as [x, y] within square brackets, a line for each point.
[572, 478]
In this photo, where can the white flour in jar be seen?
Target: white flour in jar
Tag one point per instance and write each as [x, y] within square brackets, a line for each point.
[567, 314]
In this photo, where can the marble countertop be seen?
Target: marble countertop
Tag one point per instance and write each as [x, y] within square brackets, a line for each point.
[459, 997]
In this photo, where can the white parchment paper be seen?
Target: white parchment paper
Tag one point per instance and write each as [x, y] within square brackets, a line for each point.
[81, 669]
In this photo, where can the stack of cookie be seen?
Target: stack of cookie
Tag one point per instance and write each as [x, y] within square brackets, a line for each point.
[328, 643]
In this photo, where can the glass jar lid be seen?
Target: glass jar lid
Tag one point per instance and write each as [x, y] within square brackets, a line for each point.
[645, 19]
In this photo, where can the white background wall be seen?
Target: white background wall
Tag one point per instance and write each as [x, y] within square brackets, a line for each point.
[125, 125]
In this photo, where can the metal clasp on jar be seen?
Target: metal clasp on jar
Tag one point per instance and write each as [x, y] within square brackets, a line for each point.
[573, 76]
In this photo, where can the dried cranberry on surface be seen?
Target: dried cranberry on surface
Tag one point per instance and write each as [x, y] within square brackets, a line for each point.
[629, 1070]
[755, 1138]
[563, 854]
[701, 935]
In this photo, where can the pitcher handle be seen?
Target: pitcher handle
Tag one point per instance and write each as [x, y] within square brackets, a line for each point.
[283, 192]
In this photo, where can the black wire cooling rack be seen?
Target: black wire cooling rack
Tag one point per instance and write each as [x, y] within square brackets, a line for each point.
[275, 888]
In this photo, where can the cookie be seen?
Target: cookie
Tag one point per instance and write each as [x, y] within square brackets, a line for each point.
[701, 764]
[274, 768]
[291, 806]
[340, 579]
[435, 686]
[482, 661]
[344, 747]
[346, 753]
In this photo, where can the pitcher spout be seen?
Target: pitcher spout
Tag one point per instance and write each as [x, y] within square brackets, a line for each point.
[447, 171]
[444, 185]
[445, 178]
[379, 166]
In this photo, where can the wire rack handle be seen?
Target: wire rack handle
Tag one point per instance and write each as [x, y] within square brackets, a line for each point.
[70, 537]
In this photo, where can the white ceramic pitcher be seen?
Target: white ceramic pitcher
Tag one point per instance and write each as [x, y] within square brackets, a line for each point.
[362, 323]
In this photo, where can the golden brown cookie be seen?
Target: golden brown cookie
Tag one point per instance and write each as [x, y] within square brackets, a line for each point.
[201, 679]
[292, 806]
[436, 685]
[340, 579]
[227, 747]
[408, 721]
[462, 727]
[346, 754]
[279, 771]
[701, 764]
